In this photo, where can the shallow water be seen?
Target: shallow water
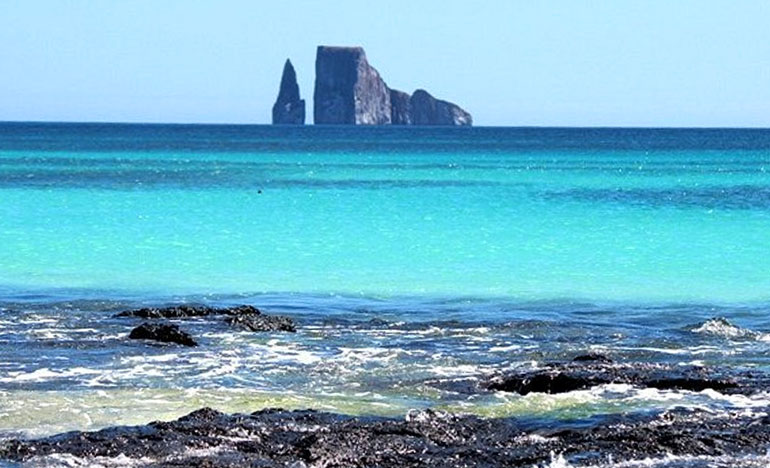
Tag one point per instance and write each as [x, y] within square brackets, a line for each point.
[406, 256]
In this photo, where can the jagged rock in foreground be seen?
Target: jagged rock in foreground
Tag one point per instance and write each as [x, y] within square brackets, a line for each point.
[164, 333]
[273, 438]
[427, 110]
[347, 89]
[289, 109]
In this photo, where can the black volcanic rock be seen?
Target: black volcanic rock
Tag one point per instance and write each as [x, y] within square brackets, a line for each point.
[427, 110]
[185, 311]
[289, 109]
[260, 322]
[592, 357]
[348, 90]
[401, 110]
[161, 332]
[272, 438]
[581, 375]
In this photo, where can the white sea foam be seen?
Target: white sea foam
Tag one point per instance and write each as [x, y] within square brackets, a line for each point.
[45, 374]
[722, 327]
[671, 461]
[60, 460]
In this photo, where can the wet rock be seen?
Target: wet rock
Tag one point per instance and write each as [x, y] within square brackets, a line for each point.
[424, 438]
[567, 377]
[592, 357]
[289, 109]
[427, 110]
[348, 90]
[165, 333]
[184, 311]
[260, 322]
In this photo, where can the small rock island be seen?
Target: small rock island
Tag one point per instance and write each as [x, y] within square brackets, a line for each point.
[349, 91]
[289, 109]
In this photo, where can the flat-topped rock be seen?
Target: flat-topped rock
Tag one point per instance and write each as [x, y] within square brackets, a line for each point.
[348, 90]
[289, 108]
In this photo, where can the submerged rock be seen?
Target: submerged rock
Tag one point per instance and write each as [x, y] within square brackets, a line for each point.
[165, 333]
[348, 90]
[260, 322]
[427, 110]
[289, 109]
[426, 438]
[188, 310]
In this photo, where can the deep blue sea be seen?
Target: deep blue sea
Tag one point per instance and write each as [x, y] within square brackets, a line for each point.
[405, 255]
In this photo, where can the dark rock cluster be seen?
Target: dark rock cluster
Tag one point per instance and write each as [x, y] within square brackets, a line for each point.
[189, 310]
[276, 438]
[242, 316]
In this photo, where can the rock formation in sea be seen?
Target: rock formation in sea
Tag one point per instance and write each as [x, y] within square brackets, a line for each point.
[246, 317]
[289, 109]
[427, 110]
[162, 332]
[349, 91]
[400, 108]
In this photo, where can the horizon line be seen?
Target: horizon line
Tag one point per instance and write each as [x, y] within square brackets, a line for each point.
[247, 124]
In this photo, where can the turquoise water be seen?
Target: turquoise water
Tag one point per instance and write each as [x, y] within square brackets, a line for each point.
[405, 255]
[388, 214]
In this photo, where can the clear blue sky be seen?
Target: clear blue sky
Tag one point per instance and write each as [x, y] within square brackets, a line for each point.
[569, 62]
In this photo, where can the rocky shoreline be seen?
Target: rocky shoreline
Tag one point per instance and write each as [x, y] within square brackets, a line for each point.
[273, 437]
[430, 437]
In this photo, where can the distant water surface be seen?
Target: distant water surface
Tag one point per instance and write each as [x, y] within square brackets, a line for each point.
[597, 214]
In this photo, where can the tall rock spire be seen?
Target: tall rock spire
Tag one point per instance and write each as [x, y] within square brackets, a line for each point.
[289, 109]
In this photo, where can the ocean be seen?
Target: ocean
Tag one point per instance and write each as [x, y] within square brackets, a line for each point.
[406, 256]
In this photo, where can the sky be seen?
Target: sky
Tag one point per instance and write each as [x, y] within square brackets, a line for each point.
[510, 63]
